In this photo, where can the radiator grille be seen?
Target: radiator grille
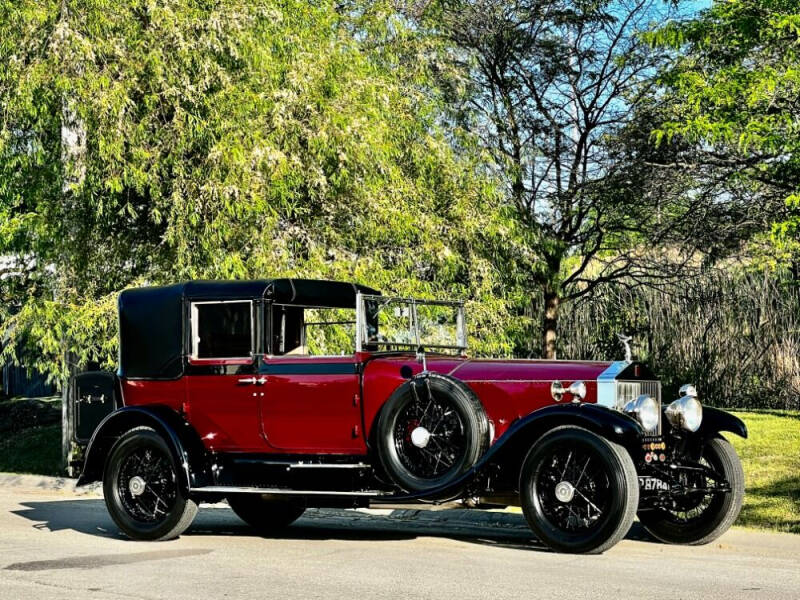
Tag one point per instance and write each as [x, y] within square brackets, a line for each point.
[630, 390]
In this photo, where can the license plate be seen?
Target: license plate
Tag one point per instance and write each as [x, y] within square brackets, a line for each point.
[652, 484]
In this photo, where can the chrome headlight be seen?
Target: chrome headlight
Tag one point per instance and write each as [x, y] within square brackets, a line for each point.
[685, 413]
[645, 410]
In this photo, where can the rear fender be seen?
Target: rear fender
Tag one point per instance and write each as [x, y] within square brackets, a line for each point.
[182, 439]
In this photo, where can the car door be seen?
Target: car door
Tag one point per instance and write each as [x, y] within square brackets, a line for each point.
[311, 404]
[222, 383]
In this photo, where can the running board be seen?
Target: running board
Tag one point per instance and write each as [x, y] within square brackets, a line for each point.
[299, 465]
[224, 489]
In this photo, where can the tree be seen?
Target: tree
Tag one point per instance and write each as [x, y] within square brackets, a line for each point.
[730, 96]
[547, 86]
[149, 142]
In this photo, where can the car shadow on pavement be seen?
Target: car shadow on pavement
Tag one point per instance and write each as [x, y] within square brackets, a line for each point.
[505, 530]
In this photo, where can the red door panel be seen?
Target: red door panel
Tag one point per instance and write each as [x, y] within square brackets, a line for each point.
[312, 405]
[224, 411]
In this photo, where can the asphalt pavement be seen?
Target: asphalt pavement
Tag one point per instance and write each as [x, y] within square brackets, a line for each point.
[56, 544]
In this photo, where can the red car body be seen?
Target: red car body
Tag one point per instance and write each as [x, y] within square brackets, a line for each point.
[209, 381]
[308, 412]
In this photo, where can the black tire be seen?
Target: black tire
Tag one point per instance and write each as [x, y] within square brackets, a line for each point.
[452, 417]
[154, 507]
[595, 507]
[267, 515]
[705, 518]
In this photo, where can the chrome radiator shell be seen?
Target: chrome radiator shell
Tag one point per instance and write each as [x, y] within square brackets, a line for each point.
[614, 389]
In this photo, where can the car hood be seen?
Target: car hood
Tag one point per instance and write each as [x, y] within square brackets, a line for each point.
[481, 369]
[501, 369]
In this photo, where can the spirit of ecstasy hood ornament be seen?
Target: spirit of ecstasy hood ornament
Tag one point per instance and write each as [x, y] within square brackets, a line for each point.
[625, 340]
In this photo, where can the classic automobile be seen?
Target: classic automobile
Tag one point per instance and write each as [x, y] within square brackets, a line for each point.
[279, 395]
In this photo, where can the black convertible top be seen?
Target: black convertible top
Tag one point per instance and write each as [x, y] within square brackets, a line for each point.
[151, 319]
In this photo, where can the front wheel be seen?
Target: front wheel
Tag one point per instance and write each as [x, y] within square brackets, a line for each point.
[579, 491]
[141, 490]
[702, 516]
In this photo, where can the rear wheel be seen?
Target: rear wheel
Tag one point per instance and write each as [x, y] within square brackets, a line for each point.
[579, 492]
[267, 515]
[141, 490]
[702, 516]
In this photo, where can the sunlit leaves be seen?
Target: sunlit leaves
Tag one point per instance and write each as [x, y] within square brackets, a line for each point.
[232, 139]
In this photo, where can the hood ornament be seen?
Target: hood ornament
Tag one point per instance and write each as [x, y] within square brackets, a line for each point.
[625, 340]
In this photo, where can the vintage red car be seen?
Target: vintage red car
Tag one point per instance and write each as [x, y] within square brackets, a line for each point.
[278, 395]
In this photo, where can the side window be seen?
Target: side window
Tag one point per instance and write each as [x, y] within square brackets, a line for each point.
[222, 329]
[311, 331]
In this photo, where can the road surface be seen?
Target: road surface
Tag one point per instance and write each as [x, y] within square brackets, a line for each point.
[54, 544]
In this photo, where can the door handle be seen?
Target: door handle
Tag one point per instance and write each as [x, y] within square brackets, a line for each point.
[253, 380]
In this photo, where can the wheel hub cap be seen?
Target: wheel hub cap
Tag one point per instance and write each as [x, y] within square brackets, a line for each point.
[420, 437]
[136, 486]
[565, 491]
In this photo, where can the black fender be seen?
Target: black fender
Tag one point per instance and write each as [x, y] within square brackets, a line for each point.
[186, 446]
[511, 449]
[716, 420]
[606, 422]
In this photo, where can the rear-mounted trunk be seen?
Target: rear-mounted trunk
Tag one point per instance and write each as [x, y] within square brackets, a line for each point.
[92, 396]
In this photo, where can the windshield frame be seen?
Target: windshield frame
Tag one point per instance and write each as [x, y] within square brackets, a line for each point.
[362, 338]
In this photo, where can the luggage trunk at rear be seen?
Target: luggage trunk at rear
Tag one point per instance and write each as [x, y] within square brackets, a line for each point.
[94, 395]
[90, 398]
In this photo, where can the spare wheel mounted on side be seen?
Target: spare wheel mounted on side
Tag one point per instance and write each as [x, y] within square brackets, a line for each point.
[431, 430]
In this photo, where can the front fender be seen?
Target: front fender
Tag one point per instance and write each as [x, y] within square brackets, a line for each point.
[716, 420]
[184, 443]
[513, 446]
[606, 422]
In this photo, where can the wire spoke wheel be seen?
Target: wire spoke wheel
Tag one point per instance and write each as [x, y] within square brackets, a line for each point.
[579, 491]
[429, 435]
[573, 489]
[431, 430]
[146, 484]
[142, 490]
[708, 508]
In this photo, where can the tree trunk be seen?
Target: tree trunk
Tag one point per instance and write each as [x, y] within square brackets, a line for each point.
[552, 301]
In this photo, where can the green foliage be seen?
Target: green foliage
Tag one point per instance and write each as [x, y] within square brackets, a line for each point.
[733, 91]
[146, 141]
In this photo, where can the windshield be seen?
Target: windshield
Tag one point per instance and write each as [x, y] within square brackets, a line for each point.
[385, 323]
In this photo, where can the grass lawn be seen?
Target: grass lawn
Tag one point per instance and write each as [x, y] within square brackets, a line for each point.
[771, 459]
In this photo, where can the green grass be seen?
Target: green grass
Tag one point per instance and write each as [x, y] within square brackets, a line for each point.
[34, 450]
[771, 460]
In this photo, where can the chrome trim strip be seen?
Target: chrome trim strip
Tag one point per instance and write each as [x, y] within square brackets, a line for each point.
[223, 489]
[325, 466]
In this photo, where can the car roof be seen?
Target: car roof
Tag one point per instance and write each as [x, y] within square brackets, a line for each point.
[151, 319]
[308, 292]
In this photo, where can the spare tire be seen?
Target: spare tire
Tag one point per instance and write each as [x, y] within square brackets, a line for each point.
[431, 430]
